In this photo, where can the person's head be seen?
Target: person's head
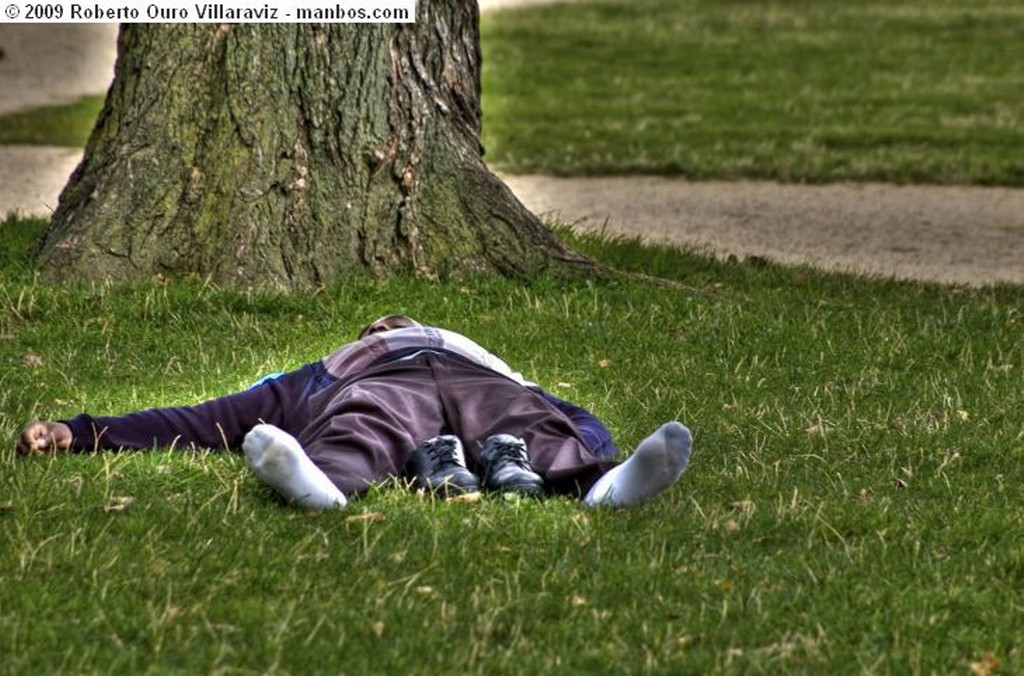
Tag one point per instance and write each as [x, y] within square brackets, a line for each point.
[387, 323]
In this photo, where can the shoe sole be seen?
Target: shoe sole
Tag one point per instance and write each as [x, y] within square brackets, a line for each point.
[528, 490]
[448, 489]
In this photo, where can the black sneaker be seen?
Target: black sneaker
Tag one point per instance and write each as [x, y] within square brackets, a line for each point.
[505, 467]
[439, 466]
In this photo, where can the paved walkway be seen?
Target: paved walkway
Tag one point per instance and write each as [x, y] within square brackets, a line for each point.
[46, 64]
[962, 235]
[949, 234]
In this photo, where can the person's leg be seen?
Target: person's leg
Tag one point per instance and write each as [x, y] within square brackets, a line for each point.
[480, 404]
[277, 458]
[367, 430]
[656, 464]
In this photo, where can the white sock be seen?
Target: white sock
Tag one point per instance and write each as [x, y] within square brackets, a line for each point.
[654, 466]
[278, 459]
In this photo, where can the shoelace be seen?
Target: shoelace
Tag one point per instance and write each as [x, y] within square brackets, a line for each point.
[442, 451]
[507, 451]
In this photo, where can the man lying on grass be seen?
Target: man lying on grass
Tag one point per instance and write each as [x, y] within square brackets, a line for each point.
[404, 400]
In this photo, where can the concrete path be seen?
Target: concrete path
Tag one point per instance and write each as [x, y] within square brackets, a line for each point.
[961, 235]
[949, 234]
[44, 64]
[47, 64]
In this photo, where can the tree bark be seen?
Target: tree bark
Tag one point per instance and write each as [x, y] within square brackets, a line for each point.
[286, 156]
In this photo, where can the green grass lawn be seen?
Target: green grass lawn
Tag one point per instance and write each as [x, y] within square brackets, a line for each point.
[824, 90]
[61, 125]
[854, 503]
[921, 91]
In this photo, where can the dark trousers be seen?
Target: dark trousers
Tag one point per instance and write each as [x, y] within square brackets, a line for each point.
[368, 427]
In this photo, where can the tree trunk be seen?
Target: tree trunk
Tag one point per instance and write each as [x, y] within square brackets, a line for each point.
[284, 156]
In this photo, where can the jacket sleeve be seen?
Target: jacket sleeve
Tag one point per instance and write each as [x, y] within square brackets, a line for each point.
[220, 423]
[595, 435]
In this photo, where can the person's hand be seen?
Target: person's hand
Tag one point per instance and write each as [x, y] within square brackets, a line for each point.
[44, 436]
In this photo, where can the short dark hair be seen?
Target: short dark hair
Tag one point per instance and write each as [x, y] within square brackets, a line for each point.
[386, 323]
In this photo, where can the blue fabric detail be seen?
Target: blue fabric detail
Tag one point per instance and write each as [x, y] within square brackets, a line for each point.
[265, 379]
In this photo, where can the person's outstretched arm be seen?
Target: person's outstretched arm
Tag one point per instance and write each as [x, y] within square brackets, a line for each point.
[593, 432]
[218, 423]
